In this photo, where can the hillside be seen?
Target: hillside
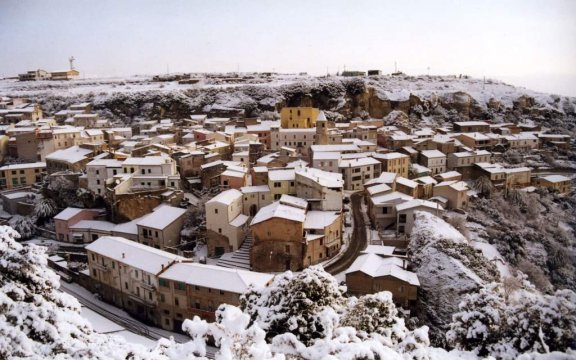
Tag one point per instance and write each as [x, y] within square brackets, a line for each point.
[428, 100]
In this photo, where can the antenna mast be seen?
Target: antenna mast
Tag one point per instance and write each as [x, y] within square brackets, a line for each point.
[71, 60]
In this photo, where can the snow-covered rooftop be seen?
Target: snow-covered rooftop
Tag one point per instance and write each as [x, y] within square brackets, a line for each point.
[323, 178]
[279, 210]
[69, 213]
[70, 155]
[293, 201]
[432, 153]
[281, 175]
[146, 161]
[216, 277]
[161, 217]
[319, 219]
[377, 266]
[23, 166]
[418, 203]
[133, 254]
[226, 197]
[556, 178]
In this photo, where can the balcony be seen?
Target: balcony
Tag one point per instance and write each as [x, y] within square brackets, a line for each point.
[100, 266]
[148, 286]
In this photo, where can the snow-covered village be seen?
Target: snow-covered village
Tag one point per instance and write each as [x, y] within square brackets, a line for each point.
[205, 204]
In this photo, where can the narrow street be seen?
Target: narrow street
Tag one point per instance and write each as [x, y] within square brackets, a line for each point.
[358, 240]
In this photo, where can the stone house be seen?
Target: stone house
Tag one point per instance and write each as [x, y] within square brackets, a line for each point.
[161, 228]
[463, 161]
[455, 192]
[226, 225]
[371, 273]
[72, 159]
[433, 160]
[255, 198]
[19, 175]
[288, 237]
[298, 117]
[405, 213]
[126, 274]
[69, 217]
[382, 208]
[394, 162]
[190, 289]
[471, 126]
[557, 182]
[356, 172]
[323, 190]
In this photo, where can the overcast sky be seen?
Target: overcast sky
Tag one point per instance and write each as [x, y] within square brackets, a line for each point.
[530, 43]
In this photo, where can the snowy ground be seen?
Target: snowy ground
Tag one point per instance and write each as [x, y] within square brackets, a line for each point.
[119, 316]
[104, 326]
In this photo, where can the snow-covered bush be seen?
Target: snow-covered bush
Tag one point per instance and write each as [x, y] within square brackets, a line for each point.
[39, 322]
[504, 323]
[304, 304]
[44, 209]
[24, 225]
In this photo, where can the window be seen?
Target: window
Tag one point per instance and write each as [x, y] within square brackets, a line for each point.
[126, 285]
[221, 292]
[93, 257]
[277, 184]
[384, 210]
[291, 183]
[219, 230]
[179, 285]
[164, 283]
[94, 272]
[138, 291]
[162, 298]
[287, 249]
[149, 296]
[215, 211]
[97, 172]
[197, 288]
[176, 301]
[402, 218]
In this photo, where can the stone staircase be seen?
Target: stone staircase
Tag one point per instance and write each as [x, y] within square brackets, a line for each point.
[239, 259]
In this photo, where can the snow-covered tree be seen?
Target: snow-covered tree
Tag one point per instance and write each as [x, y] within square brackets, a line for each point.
[484, 186]
[39, 322]
[44, 209]
[505, 324]
[304, 304]
[24, 225]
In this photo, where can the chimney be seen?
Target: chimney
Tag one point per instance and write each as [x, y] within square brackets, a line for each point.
[123, 255]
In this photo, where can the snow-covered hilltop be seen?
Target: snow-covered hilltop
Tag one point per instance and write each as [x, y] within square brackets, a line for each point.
[429, 99]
